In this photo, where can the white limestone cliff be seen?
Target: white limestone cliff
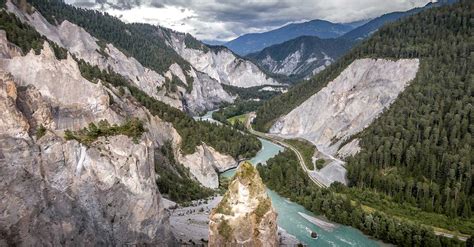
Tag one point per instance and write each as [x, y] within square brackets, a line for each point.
[221, 64]
[349, 103]
[206, 94]
[346, 106]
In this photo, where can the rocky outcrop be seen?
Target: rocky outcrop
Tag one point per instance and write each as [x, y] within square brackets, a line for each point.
[206, 163]
[349, 103]
[245, 216]
[61, 193]
[302, 57]
[206, 93]
[221, 64]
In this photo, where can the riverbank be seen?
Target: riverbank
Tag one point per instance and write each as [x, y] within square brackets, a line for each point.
[190, 225]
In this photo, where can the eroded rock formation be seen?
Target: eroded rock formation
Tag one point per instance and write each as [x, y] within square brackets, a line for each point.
[245, 216]
[349, 103]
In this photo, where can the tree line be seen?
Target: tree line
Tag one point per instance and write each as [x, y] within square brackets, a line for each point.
[419, 151]
[284, 175]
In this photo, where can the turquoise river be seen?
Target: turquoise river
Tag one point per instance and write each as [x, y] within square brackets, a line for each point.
[290, 214]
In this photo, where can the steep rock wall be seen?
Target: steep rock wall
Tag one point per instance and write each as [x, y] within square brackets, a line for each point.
[349, 103]
[206, 94]
[62, 193]
[222, 65]
[245, 216]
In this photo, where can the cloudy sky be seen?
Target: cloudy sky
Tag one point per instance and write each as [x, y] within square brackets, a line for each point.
[226, 19]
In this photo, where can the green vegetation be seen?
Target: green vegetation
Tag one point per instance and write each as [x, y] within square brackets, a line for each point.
[284, 175]
[172, 85]
[320, 164]
[419, 151]
[262, 208]
[387, 204]
[225, 229]
[223, 207]
[174, 180]
[239, 118]
[40, 132]
[132, 128]
[306, 149]
[239, 108]
[146, 43]
[26, 37]
[251, 92]
[193, 43]
[20, 34]
[223, 138]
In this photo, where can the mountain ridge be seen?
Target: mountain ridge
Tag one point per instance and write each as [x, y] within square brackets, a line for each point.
[253, 42]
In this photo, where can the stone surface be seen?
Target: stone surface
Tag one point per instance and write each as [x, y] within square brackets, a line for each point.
[349, 103]
[205, 164]
[222, 65]
[207, 93]
[346, 106]
[245, 216]
[62, 193]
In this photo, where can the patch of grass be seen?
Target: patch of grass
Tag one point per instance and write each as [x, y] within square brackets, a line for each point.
[306, 149]
[132, 128]
[241, 118]
[262, 208]
[320, 164]
[225, 230]
[40, 132]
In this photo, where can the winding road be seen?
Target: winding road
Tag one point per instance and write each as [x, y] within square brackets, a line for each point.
[281, 141]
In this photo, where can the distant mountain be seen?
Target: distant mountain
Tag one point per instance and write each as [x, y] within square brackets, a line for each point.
[254, 42]
[356, 24]
[370, 27]
[301, 57]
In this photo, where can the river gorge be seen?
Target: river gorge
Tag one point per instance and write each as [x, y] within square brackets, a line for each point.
[295, 219]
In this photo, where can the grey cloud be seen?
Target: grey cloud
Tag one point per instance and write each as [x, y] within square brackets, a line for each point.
[242, 16]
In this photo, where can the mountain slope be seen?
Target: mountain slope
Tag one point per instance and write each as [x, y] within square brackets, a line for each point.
[414, 144]
[372, 26]
[179, 83]
[254, 42]
[302, 64]
[302, 57]
[219, 63]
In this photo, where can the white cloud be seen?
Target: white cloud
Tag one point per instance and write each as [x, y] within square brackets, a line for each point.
[227, 19]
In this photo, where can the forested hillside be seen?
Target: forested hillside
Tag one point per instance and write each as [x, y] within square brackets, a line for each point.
[419, 152]
[224, 139]
[144, 42]
[284, 175]
[422, 145]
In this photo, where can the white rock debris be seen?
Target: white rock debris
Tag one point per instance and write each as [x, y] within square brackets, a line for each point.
[347, 105]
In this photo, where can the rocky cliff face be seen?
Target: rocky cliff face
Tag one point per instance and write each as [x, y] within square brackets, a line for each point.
[206, 163]
[302, 57]
[58, 192]
[245, 216]
[349, 103]
[221, 64]
[206, 94]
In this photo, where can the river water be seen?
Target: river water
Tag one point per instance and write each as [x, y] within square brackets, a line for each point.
[290, 215]
[290, 218]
